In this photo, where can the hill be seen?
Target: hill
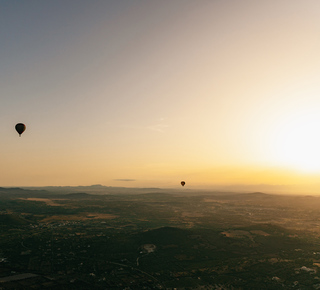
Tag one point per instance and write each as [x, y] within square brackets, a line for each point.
[12, 220]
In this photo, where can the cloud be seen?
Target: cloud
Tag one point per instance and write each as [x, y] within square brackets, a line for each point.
[124, 179]
[160, 127]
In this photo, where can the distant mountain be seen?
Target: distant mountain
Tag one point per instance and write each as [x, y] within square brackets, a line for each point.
[82, 195]
[97, 189]
[11, 190]
[257, 195]
[14, 191]
[78, 195]
[110, 190]
[24, 193]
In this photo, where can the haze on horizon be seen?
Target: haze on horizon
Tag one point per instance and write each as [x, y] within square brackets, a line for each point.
[149, 93]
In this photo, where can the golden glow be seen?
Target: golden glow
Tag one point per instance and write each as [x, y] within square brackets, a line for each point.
[220, 93]
[297, 142]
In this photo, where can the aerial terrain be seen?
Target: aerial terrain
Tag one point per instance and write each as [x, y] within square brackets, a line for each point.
[102, 237]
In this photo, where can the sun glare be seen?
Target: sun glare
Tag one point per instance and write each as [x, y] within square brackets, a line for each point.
[297, 143]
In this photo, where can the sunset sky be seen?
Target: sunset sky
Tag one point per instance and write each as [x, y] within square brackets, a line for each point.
[148, 93]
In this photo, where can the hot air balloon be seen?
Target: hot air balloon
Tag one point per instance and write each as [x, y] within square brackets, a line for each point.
[20, 128]
[183, 183]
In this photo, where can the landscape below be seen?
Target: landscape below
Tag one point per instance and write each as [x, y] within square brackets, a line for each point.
[124, 238]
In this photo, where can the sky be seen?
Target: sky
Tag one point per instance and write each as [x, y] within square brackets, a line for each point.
[142, 93]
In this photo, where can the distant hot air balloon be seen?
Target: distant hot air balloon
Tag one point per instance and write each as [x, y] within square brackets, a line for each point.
[20, 128]
[183, 183]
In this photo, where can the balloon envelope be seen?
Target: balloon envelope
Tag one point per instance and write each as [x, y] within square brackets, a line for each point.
[183, 183]
[20, 128]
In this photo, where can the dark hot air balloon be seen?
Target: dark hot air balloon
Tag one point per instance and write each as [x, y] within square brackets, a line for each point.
[183, 183]
[20, 128]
